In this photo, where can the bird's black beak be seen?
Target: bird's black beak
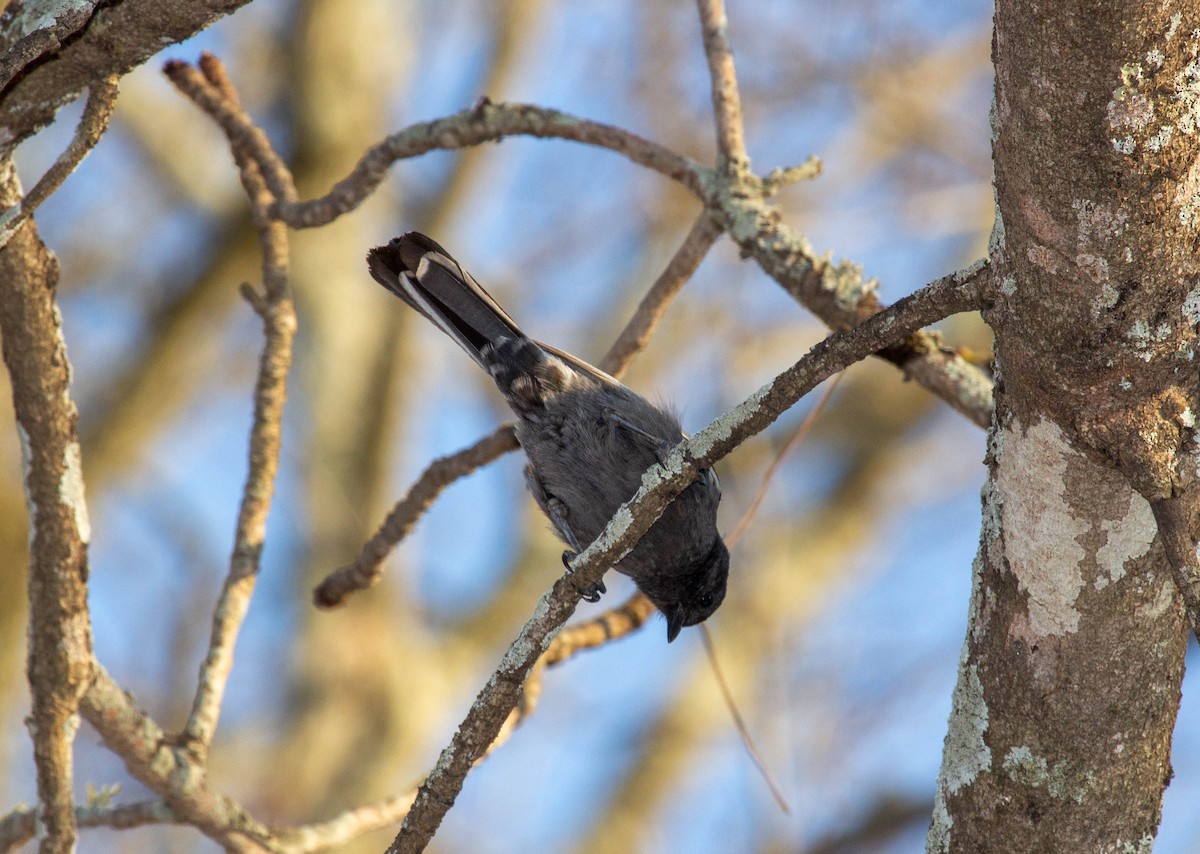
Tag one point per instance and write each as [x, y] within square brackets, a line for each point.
[674, 625]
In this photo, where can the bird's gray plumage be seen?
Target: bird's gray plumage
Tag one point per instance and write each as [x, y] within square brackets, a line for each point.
[588, 437]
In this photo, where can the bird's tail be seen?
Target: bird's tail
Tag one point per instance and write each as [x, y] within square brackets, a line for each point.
[424, 275]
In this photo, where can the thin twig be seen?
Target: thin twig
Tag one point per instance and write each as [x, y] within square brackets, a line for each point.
[791, 444]
[19, 826]
[337, 831]
[1175, 531]
[211, 92]
[959, 292]
[102, 97]
[210, 88]
[637, 332]
[780, 177]
[367, 568]
[738, 722]
[730, 540]
[727, 102]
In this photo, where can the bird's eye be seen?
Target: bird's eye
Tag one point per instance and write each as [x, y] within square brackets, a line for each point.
[705, 601]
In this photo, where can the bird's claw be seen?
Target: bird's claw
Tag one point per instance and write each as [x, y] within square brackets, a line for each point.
[590, 594]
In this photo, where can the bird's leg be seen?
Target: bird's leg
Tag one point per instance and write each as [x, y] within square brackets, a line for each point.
[661, 446]
[558, 515]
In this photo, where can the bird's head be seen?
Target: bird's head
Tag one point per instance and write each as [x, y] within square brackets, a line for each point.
[696, 593]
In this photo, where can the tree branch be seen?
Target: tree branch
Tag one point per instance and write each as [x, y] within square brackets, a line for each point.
[23, 46]
[962, 291]
[105, 39]
[60, 634]
[367, 568]
[782, 176]
[732, 160]
[92, 125]
[211, 89]
[19, 826]
[173, 773]
[485, 122]
[610, 625]
[321, 836]
[176, 776]
[339, 830]
[682, 266]
[838, 294]
[1175, 526]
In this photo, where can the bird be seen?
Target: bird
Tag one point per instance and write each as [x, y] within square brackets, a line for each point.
[587, 437]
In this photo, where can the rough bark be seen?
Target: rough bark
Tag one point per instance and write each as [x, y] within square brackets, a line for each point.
[59, 663]
[1060, 732]
[56, 49]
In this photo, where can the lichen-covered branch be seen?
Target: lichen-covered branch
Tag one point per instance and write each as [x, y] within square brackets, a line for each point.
[28, 37]
[835, 293]
[963, 291]
[60, 657]
[610, 625]
[839, 295]
[174, 773]
[783, 176]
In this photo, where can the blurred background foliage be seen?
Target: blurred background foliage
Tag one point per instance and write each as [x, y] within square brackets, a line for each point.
[848, 594]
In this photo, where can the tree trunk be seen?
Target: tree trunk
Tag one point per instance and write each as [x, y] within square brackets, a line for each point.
[1060, 732]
